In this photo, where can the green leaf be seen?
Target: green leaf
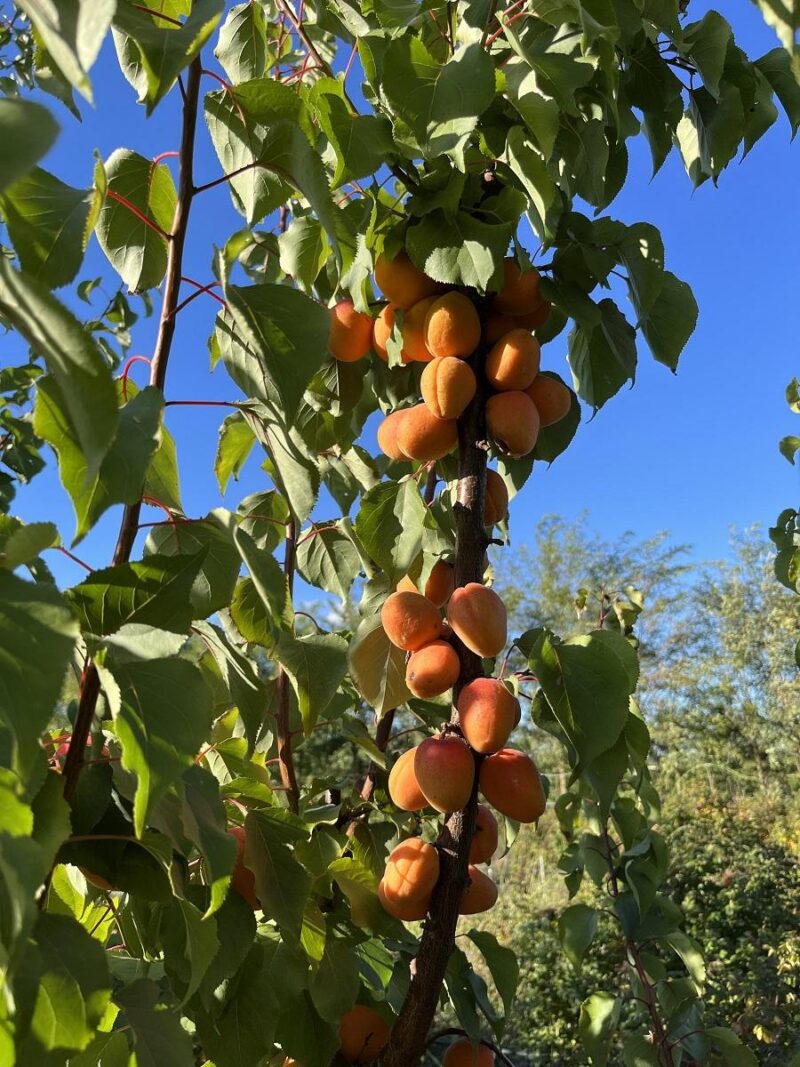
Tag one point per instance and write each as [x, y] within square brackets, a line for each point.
[282, 884]
[502, 964]
[290, 464]
[603, 356]
[212, 537]
[328, 559]
[270, 583]
[671, 320]
[784, 18]
[27, 130]
[377, 667]
[335, 983]
[598, 1020]
[236, 440]
[204, 822]
[244, 1030]
[731, 1048]
[789, 447]
[190, 944]
[710, 132]
[706, 43]
[136, 251]
[638, 1051]
[316, 666]
[440, 103]
[304, 250]
[37, 637]
[72, 358]
[554, 439]
[156, 52]
[24, 543]
[156, 592]
[240, 675]
[777, 69]
[530, 170]
[72, 31]
[642, 254]
[577, 927]
[389, 525]
[283, 342]
[158, 1036]
[162, 714]
[691, 954]
[122, 472]
[362, 143]
[304, 1034]
[242, 45]
[49, 224]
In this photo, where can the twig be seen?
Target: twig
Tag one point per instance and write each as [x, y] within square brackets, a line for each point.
[284, 737]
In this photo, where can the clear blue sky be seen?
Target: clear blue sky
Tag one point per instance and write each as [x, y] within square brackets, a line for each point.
[692, 453]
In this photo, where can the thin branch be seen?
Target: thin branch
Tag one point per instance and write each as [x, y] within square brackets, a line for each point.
[455, 1031]
[283, 734]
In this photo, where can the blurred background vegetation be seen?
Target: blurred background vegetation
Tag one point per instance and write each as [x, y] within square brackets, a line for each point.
[720, 691]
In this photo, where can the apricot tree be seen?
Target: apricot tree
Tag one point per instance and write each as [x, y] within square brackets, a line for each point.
[412, 182]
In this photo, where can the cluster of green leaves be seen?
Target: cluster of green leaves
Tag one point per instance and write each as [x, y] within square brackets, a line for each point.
[121, 942]
[786, 532]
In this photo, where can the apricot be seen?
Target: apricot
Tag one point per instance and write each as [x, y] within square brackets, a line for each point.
[412, 870]
[382, 331]
[520, 292]
[481, 894]
[484, 841]
[438, 587]
[478, 617]
[387, 435]
[423, 437]
[513, 361]
[461, 1053]
[242, 878]
[497, 326]
[495, 503]
[535, 319]
[510, 782]
[445, 770]
[404, 789]
[363, 1034]
[550, 397]
[401, 282]
[408, 910]
[452, 326]
[414, 347]
[487, 713]
[433, 670]
[410, 620]
[350, 336]
[447, 386]
[513, 422]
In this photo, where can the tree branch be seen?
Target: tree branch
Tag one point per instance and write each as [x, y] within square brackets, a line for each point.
[284, 736]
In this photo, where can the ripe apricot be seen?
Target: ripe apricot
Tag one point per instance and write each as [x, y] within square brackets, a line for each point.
[513, 422]
[481, 894]
[438, 587]
[412, 870]
[414, 347]
[497, 326]
[407, 910]
[452, 326]
[423, 437]
[462, 1054]
[550, 397]
[484, 841]
[401, 282]
[350, 336]
[433, 670]
[404, 789]
[447, 386]
[410, 620]
[363, 1034]
[242, 878]
[387, 435]
[513, 361]
[535, 319]
[510, 782]
[487, 713]
[495, 503]
[445, 771]
[520, 292]
[382, 331]
[478, 617]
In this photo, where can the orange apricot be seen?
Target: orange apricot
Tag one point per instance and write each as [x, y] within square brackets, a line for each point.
[550, 397]
[350, 336]
[445, 771]
[382, 331]
[484, 841]
[487, 713]
[438, 587]
[414, 347]
[495, 503]
[447, 385]
[520, 292]
[481, 894]
[404, 789]
[423, 437]
[513, 422]
[452, 326]
[461, 1053]
[497, 326]
[478, 617]
[433, 670]
[513, 361]
[242, 878]
[410, 620]
[363, 1034]
[535, 319]
[406, 910]
[412, 870]
[387, 435]
[510, 782]
[401, 282]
